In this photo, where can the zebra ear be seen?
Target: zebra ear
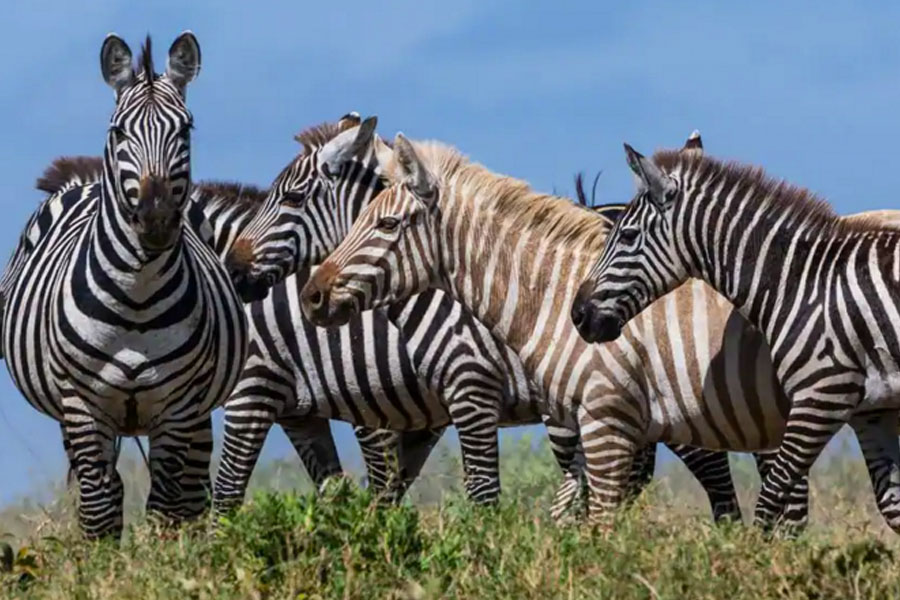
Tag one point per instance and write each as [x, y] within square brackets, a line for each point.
[347, 144]
[115, 62]
[693, 145]
[415, 173]
[650, 178]
[183, 64]
[349, 120]
[383, 152]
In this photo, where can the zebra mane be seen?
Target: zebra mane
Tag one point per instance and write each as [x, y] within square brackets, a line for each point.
[886, 217]
[146, 61]
[67, 172]
[552, 217]
[230, 192]
[768, 193]
[319, 135]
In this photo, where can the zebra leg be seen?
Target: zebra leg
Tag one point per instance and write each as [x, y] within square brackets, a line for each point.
[196, 487]
[91, 448]
[641, 474]
[810, 425]
[170, 444]
[415, 448]
[609, 453]
[381, 452]
[248, 419]
[476, 425]
[67, 448]
[877, 435]
[566, 447]
[795, 516]
[312, 439]
[712, 470]
[395, 459]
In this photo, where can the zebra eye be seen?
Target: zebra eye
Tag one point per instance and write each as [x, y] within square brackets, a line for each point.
[388, 223]
[629, 234]
[293, 198]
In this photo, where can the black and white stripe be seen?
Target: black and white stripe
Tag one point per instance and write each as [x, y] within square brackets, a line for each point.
[119, 319]
[822, 290]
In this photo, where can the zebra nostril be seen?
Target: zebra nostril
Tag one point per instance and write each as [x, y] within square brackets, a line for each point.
[234, 266]
[316, 299]
[578, 313]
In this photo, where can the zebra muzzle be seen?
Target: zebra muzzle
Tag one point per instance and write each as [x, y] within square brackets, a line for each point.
[249, 287]
[321, 306]
[157, 218]
[594, 324]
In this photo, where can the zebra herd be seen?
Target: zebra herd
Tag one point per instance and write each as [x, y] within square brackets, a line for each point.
[403, 288]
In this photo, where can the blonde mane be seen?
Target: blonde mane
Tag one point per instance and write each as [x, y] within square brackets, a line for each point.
[768, 193]
[552, 217]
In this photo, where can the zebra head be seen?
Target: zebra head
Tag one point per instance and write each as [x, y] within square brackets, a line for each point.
[388, 254]
[309, 209]
[147, 166]
[641, 261]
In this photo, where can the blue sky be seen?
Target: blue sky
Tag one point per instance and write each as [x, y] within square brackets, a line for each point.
[535, 90]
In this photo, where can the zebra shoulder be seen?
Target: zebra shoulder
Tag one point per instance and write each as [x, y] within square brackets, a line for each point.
[40, 224]
[68, 181]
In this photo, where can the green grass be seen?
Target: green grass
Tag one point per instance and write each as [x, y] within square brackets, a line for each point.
[286, 544]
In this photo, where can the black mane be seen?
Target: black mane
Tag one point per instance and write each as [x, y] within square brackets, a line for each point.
[145, 62]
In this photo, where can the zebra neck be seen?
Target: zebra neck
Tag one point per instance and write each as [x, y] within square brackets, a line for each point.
[113, 248]
[756, 257]
[513, 275]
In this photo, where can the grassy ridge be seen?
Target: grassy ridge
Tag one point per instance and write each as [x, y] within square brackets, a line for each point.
[341, 545]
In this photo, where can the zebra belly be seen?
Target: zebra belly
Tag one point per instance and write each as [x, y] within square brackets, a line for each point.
[136, 388]
[691, 421]
[457, 355]
[705, 373]
[359, 373]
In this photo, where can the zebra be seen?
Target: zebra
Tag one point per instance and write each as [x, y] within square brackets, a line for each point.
[689, 371]
[310, 207]
[119, 319]
[228, 207]
[823, 291]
